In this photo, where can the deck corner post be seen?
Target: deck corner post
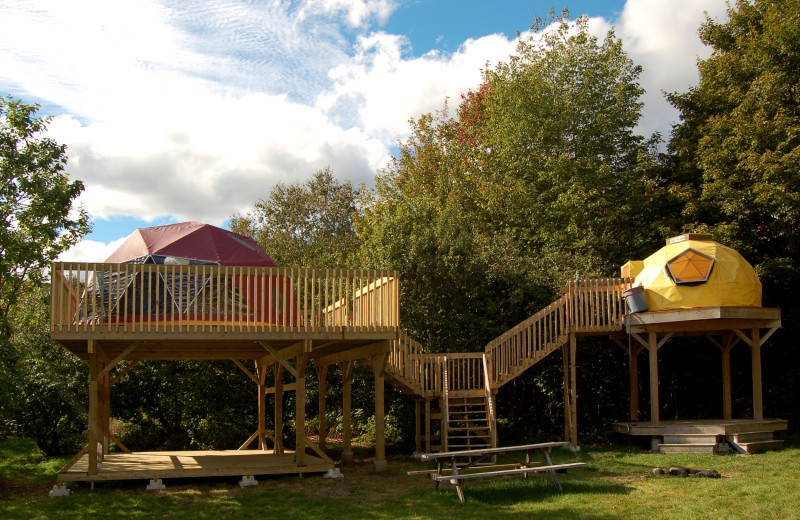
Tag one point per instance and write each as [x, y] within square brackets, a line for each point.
[379, 364]
[322, 374]
[347, 380]
[94, 410]
[755, 348]
[652, 347]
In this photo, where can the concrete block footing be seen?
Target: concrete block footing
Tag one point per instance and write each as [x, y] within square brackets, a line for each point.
[59, 491]
[333, 473]
[156, 485]
[248, 481]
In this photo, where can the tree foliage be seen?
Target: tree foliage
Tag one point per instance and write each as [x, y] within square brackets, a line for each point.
[47, 402]
[37, 211]
[738, 144]
[305, 225]
[539, 175]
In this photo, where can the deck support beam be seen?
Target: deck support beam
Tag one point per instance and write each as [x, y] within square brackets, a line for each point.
[378, 366]
[634, 375]
[94, 407]
[322, 375]
[569, 353]
[727, 401]
[652, 347]
[277, 369]
[301, 361]
[347, 382]
[755, 349]
[261, 374]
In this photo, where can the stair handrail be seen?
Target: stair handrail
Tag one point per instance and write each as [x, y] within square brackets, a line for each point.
[591, 305]
[445, 405]
[489, 401]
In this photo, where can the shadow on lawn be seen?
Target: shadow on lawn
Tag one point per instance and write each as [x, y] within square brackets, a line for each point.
[509, 492]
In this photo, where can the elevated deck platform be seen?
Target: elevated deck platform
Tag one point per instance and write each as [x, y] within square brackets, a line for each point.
[190, 464]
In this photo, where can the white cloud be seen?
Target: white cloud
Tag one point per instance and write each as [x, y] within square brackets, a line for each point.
[356, 12]
[90, 251]
[662, 37]
[387, 88]
[197, 110]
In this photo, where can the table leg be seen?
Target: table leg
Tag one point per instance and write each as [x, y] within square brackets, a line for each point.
[527, 463]
[552, 472]
[438, 474]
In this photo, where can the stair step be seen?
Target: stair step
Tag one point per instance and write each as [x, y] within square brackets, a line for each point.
[690, 438]
[759, 446]
[687, 448]
[740, 438]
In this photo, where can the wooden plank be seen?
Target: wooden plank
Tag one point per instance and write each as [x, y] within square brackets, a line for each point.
[503, 473]
[425, 457]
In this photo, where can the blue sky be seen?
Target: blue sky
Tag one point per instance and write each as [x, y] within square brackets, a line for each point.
[177, 110]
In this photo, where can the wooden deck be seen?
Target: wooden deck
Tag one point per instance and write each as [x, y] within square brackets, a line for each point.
[700, 426]
[184, 464]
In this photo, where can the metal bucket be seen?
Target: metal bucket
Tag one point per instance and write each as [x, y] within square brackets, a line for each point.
[636, 299]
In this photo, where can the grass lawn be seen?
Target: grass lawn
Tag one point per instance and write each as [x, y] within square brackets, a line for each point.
[617, 483]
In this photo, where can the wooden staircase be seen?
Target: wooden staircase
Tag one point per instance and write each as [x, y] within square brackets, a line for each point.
[466, 383]
[469, 425]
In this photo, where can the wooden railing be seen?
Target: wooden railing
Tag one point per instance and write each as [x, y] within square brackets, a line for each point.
[175, 298]
[424, 373]
[597, 304]
[465, 372]
[585, 307]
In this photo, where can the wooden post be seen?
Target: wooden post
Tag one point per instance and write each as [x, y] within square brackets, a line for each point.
[347, 381]
[427, 425]
[727, 402]
[261, 373]
[379, 364]
[755, 347]
[417, 426]
[653, 348]
[573, 348]
[300, 410]
[634, 361]
[322, 374]
[277, 369]
[106, 413]
[94, 408]
[567, 401]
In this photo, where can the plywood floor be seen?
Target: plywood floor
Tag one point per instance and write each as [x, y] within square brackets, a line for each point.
[183, 464]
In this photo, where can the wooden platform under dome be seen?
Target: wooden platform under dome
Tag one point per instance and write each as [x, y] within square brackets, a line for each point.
[707, 435]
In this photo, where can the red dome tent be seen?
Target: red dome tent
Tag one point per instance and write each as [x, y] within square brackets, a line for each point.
[203, 243]
[182, 290]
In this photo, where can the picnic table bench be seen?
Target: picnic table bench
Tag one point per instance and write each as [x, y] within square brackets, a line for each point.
[450, 460]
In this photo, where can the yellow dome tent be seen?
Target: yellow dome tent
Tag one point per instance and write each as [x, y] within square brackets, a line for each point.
[694, 271]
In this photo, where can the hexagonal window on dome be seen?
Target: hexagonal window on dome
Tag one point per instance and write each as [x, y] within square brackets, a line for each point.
[690, 267]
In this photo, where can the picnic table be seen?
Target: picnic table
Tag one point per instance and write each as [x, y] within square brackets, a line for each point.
[449, 460]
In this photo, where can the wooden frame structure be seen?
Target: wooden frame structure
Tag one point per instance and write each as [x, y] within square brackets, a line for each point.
[279, 319]
[283, 319]
[593, 307]
[724, 327]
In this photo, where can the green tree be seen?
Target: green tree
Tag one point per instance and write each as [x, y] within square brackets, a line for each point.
[48, 403]
[540, 175]
[738, 142]
[36, 203]
[735, 159]
[307, 224]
